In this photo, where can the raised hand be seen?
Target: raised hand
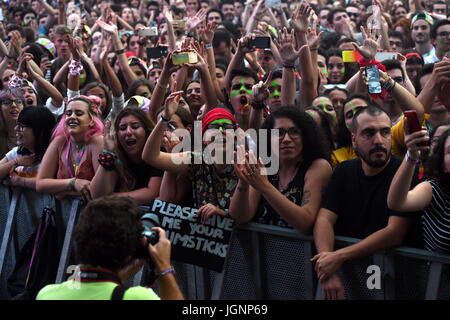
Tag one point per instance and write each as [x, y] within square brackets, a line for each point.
[194, 21]
[172, 103]
[261, 89]
[108, 141]
[300, 17]
[287, 52]
[109, 28]
[370, 46]
[207, 32]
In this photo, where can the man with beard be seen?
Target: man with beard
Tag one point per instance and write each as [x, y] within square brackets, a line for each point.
[227, 8]
[355, 205]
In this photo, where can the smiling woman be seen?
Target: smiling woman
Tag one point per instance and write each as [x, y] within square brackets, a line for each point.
[70, 162]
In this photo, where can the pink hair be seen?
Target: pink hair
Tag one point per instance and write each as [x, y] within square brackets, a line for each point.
[61, 129]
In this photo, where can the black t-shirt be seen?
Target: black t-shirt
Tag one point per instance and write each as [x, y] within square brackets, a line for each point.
[359, 201]
[142, 173]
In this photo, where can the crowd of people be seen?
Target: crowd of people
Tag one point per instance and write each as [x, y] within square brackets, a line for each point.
[93, 93]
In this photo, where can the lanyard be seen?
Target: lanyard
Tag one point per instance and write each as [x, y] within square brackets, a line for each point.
[98, 275]
[76, 165]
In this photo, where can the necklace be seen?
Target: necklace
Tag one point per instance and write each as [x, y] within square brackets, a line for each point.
[73, 169]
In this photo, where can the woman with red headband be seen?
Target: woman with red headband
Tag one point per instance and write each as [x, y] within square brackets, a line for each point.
[212, 180]
[70, 162]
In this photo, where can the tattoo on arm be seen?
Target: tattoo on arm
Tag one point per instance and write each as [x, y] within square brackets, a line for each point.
[305, 199]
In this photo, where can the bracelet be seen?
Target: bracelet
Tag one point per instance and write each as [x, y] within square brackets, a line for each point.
[161, 86]
[71, 185]
[167, 271]
[75, 67]
[107, 160]
[208, 46]
[120, 51]
[389, 85]
[411, 159]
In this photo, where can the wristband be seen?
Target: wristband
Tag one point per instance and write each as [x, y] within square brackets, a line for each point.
[411, 159]
[208, 46]
[71, 185]
[75, 68]
[120, 51]
[389, 85]
[107, 159]
[167, 271]
[161, 86]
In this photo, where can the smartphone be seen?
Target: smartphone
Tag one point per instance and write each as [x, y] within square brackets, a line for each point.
[127, 32]
[259, 43]
[250, 144]
[157, 52]
[414, 124]
[373, 76]
[179, 24]
[184, 57]
[148, 32]
[272, 3]
[381, 56]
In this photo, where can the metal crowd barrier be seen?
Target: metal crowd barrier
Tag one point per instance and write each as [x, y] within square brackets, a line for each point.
[264, 262]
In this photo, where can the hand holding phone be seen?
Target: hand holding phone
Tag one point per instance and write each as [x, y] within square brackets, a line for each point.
[414, 124]
[259, 43]
[373, 77]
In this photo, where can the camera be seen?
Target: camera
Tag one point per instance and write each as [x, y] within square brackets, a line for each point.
[148, 220]
[148, 32]
[184, 57]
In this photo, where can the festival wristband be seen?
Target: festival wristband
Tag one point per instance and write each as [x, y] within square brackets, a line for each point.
[167, 271]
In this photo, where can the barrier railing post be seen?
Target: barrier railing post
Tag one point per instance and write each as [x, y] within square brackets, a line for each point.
[389, 276]
[65, 252]
[256, 260]
[434, 279]
[7, 235]
[199, 282]
[309, 277]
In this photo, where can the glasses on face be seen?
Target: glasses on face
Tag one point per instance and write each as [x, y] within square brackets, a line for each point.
[351, 14]
[396, 43]
[21, 128]
[9, 102]
[443, 34]
[293, 132]
[225, 126]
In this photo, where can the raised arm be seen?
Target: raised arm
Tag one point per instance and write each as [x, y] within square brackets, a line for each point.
[400, 198]
[120, 51]
[174, 162]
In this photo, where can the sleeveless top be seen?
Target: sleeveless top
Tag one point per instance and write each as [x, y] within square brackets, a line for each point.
[211, 186]
[294, 192]
[85, 171]
[436, 220]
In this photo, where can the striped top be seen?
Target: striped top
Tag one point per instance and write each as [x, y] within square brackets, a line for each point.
[436, 220]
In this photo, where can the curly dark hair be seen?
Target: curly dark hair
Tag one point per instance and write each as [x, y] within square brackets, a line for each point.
[314, 145]
[108, 232]
[435, 168]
